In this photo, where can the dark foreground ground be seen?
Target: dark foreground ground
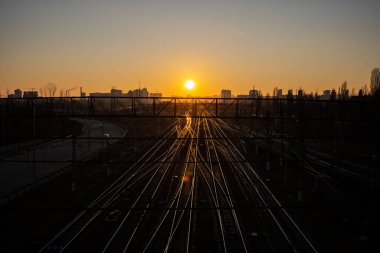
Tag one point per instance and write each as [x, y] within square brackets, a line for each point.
[338, 213]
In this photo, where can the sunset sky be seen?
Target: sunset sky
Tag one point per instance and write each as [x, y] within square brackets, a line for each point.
[220, 44]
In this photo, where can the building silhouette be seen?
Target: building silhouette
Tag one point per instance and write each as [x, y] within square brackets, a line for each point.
[18, 93]
[300, 93]
[279, 93]
[30, 94]
[326, 95]
[116, 93]
[253, 93]
[225, 94]
[155, 95]
[290, 94]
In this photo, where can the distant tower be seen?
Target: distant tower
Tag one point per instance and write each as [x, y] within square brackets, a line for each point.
[279, 93]
[82, 94]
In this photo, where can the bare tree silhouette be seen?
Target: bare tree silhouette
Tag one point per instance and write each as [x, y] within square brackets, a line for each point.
[7, 91]
[51, 89]
[343, 90]
[42, 91]
[375, 82]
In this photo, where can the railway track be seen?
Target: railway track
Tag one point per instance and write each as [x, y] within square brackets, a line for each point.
[159, 201]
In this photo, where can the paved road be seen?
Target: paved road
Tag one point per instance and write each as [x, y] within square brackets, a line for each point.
[14, 175]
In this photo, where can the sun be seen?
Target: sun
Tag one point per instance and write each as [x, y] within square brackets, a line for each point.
[189, 84]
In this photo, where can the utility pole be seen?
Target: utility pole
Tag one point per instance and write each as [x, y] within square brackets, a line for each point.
[3, 132]
[102, 133]
[73, 160]
[34, 167]
[88, 139]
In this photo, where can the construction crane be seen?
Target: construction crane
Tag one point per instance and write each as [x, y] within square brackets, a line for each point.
[67, 92]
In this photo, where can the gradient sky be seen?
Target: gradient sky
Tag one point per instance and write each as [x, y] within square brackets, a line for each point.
[232, 44]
